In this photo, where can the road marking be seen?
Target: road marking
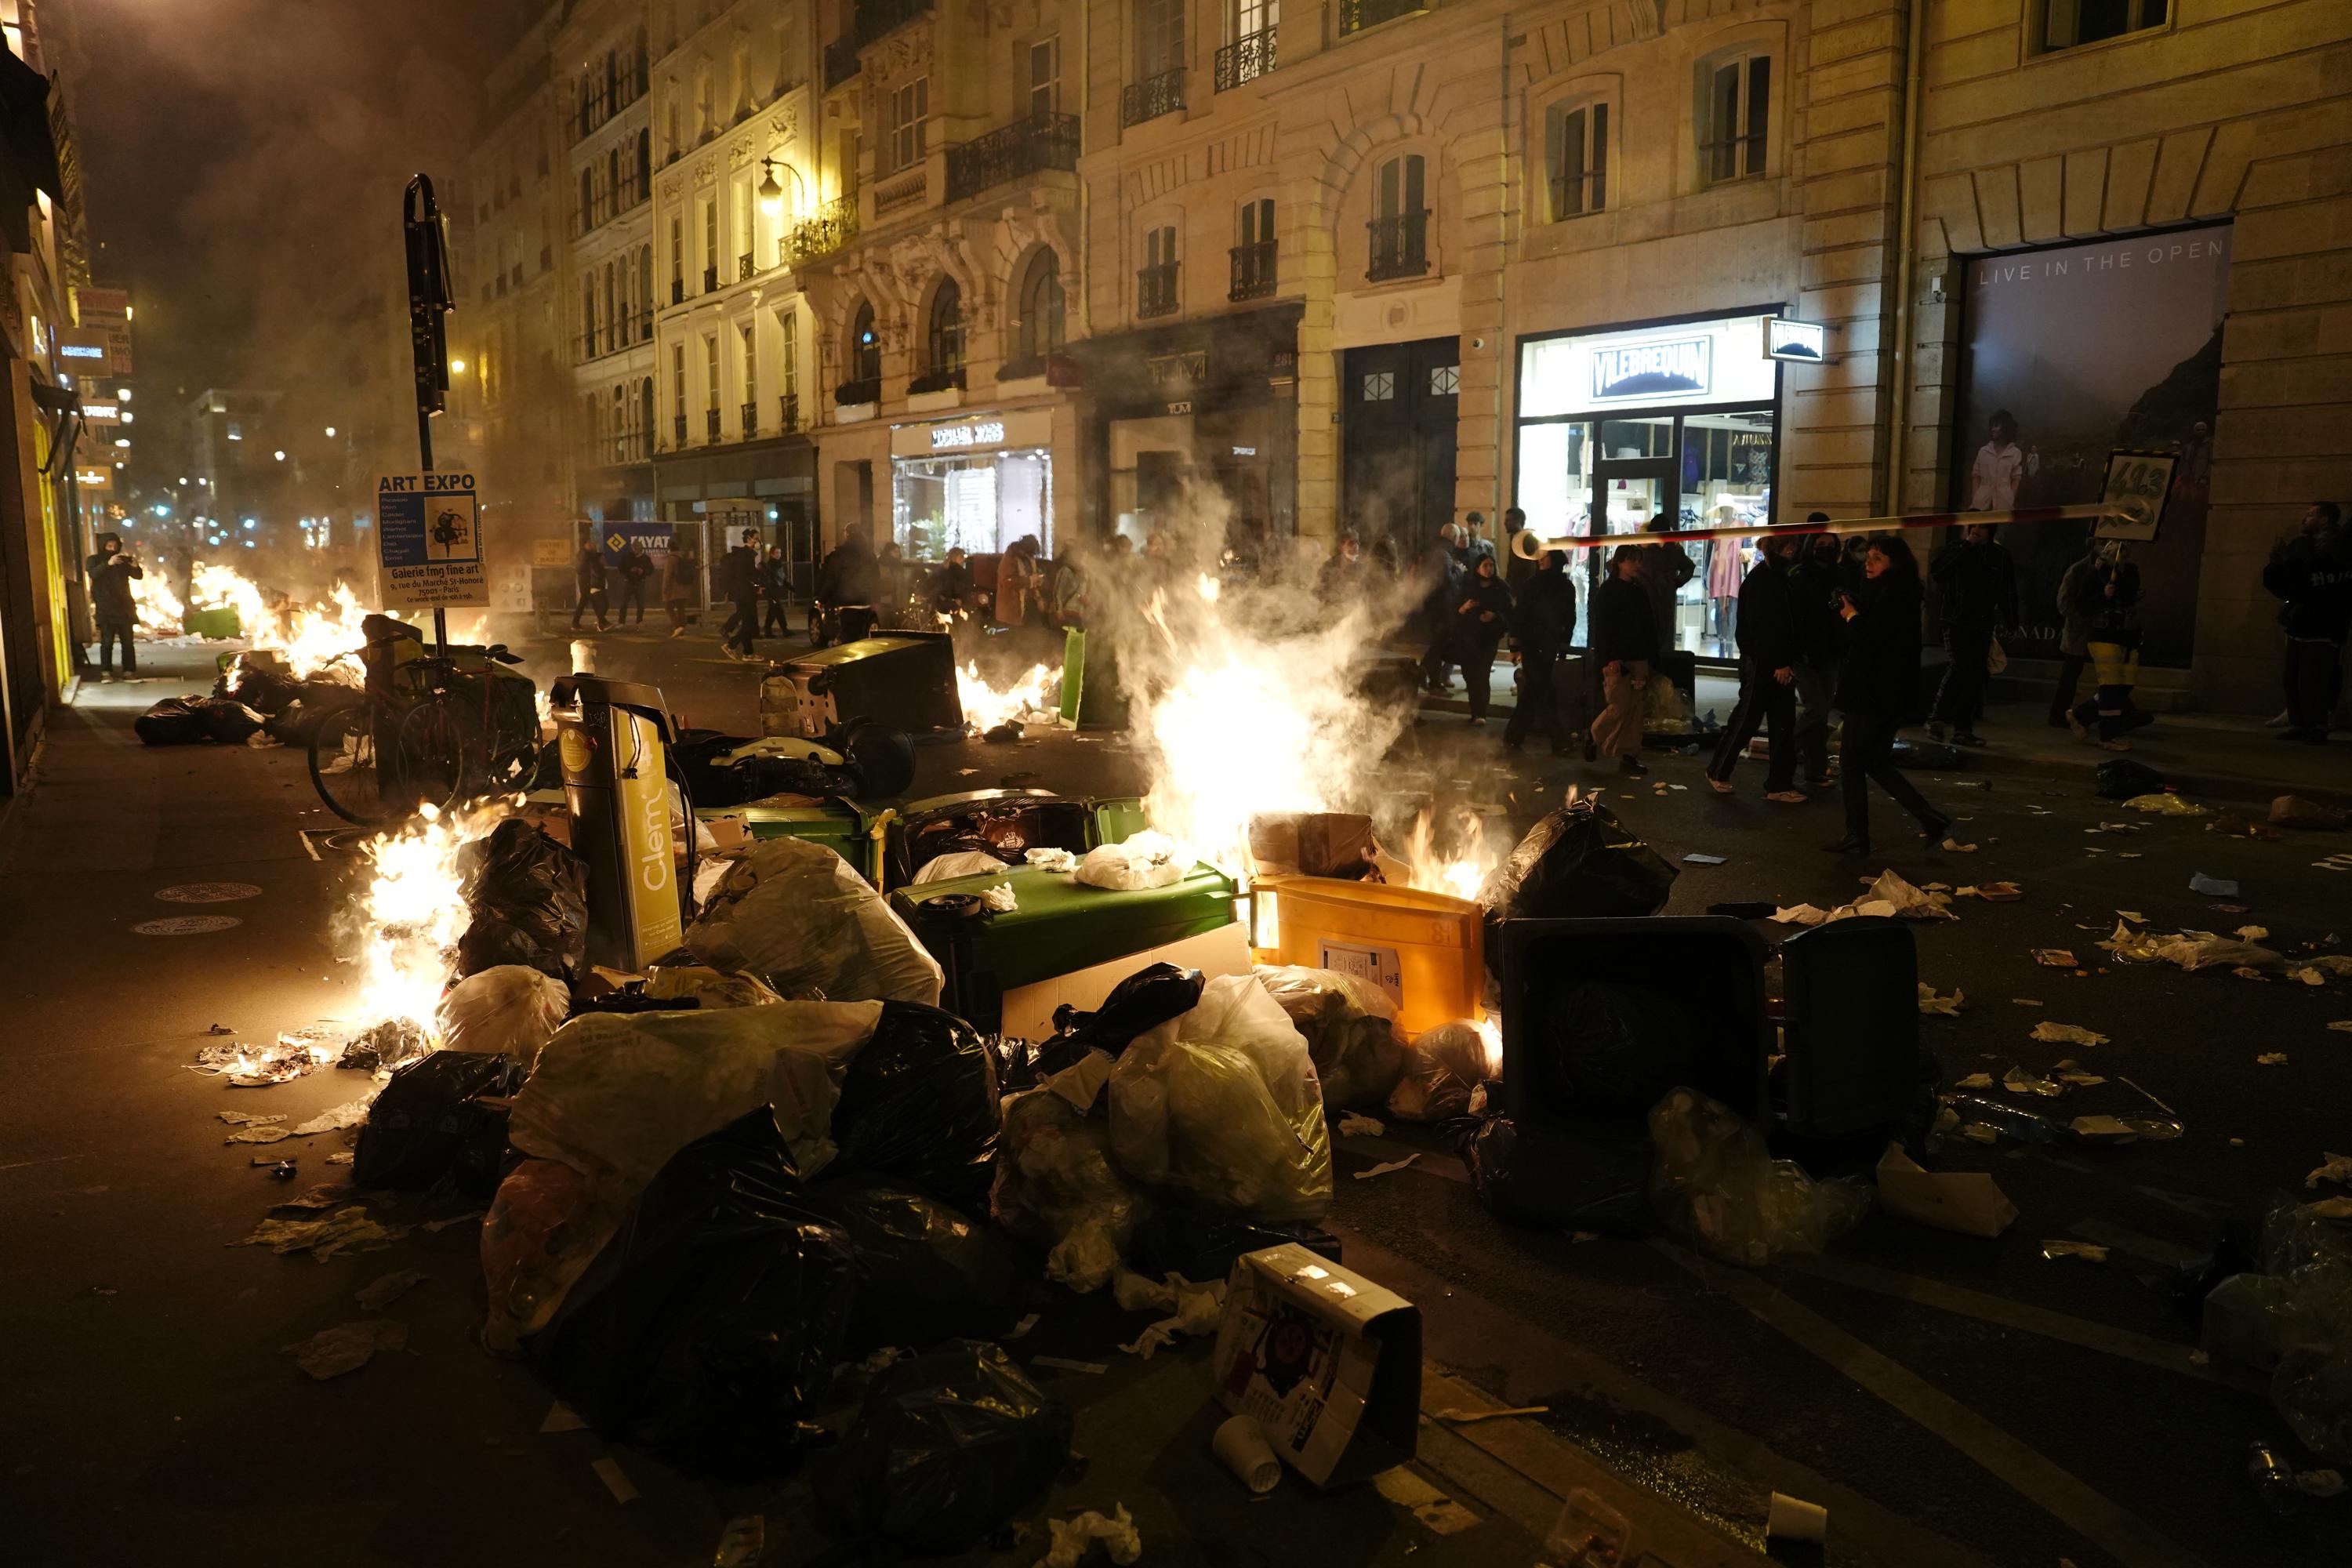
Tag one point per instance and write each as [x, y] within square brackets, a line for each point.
[2114, 1530]
[2171, 1254]
[2011, 1314]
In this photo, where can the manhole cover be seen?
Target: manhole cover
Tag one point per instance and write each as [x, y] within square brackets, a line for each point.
[320, 842]
[209, 893]
[186, 925]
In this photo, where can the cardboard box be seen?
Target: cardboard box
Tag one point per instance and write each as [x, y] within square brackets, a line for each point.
[1326, 1361]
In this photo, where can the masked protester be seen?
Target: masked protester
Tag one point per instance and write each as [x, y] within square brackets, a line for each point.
[739, 581]
[1878, 685]
[112, 605]
[588, 586]
[1979, 595]
[1544, 627]
[681, 584]
[634, 567]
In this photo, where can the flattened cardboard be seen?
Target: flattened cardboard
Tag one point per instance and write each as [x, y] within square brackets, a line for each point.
[1327, 1363]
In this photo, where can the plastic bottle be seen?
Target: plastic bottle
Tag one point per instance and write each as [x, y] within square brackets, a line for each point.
[2273, 1477]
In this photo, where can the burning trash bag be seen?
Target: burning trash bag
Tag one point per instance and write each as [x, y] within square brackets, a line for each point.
[508, 1009]
[530, 898]
[947, 1446]
[431, 1125]
[1350, 1026]
[1577, 863]
[1223, 1104]
[1440, 1074]
[260, 681]
[924, 1272]
[794, 914]
[919, 1104]
[714, 1315]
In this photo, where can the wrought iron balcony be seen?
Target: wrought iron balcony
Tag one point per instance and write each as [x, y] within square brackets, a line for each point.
[1253, 270]
[1152, 97]
[677, 431]
[1400, 246]
[751, 418]
[710, 423]
[677, 290]
[1155, 288]
[711, 278]
[1010, 152]
[744, 267]
[868, 390]
[827, 229]
[788, 412]
[942, 380]
[1355, 15]
[1244, 59]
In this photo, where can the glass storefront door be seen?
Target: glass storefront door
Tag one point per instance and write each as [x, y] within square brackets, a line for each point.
[976, 504]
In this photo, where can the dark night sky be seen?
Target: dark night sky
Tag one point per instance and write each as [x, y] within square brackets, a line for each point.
[242, 155]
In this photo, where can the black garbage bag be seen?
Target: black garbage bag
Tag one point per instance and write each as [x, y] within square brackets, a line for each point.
[925, 1272]
[429, 1125]
[714, 1315]
[919, 1105]
[174, 721]
[881, 759]
[299, 719]
[530, 898]
[264, 686]
[1565, 1180]
[1578, 862]
[697, 754]
[1934, 756]
[227, 720]
[1610, 1051]
[2121, 778]
[947, 1446]
[1142, 1002]
[1201, 1244]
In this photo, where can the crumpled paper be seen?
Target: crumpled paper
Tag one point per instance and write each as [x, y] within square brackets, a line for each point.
[345, 1230]
[1055, 862]
[1084, 1257]
[1150, 859]
[2339, 1168]
[1352, 1125]
[385, 1288]
[1932, 1006]
[1890, 897]
[1072, 1539]
[347, 1347]
[2166, 805]
[2067, 1035]
[1194, 1309]
[1969, 1202]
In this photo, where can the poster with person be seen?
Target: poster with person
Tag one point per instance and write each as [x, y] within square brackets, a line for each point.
[2068, 354]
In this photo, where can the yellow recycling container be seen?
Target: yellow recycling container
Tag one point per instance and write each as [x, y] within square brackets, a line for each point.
[1427, 951]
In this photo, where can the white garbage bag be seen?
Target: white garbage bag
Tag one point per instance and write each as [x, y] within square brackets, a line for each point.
[1056, 1188]
[1148, 859]
[1350, 1026]
[795, 914]
[1221, 1102]
[618, 1093]
[508, 1009]
[961, 863]
[1715, 1185]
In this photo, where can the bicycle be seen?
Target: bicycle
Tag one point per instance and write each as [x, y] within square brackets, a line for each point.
[443, 745]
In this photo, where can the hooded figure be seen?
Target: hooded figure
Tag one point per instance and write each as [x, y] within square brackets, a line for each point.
[112, 605]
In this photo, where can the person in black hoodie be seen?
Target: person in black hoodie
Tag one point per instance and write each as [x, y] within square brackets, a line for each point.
[739, 575]
[112, 605]
[1979, 593]
[1480, 619]
[1624, 643]
[2312, 573]
[1769, 643]
[1814, 580]
[1878, 685]
[1544, 627]
[588, 586]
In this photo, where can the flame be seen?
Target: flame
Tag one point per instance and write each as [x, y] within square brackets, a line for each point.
[1490, 1034]
[159, 608]
[213, 587]
[314, 640]
[411, 912]
[1458, 865]
[985, 706]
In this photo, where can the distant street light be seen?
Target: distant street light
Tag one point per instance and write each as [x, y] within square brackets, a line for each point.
[331, 432]
[457, 366]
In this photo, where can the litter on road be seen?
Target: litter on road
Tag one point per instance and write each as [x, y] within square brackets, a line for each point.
[347, 1347]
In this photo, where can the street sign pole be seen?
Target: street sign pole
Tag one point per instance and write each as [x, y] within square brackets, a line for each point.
[427, 240]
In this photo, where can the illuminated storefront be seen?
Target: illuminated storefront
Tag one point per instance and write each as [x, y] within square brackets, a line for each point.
[1654, 428]
[976, 483]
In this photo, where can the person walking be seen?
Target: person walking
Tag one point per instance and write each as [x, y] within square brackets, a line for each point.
[634, 567]
[1440, 567]
[1544, 627]
[112, 607]
[2313, 574]
[1980, 594]
[1812, 598]
[681, 583]
[1878, 685]
[776, 590]
[1624, 643]
[1475, 545]
[2074, 636]
[738, 579]
[1480, 621]
[588, 586]
[2108, 598]
[1768, 638]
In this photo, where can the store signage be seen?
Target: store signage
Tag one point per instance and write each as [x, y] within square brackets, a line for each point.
[107, 311]
[85, 348]
[94, 479]
[101, 412]
[978, 433]
[1804, 342]
[1672, 368]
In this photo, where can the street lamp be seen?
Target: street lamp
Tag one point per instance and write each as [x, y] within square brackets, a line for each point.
[280, 454]
[331, 432]
[458, 366]
[772, 193]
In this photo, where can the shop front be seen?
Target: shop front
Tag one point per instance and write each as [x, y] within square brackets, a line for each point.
[976, 482]
[1654, 428]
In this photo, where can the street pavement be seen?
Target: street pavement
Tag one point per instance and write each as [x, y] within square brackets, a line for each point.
[1950, 1400]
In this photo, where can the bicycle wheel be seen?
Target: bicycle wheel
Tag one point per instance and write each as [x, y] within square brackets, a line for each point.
[439, 752]
[343, 768]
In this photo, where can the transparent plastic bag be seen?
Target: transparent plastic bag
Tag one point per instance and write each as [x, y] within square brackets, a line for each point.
[795, 914]
[1716, 1187]
[1147, 860]
[509, 1009]
[705, 987]
[1056, 1188]
[1440, 1073]
[1350, 1026]
[545, 1226]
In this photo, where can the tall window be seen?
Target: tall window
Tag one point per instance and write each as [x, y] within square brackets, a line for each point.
[1155, 281]
[677, 259]
[1575, 148]
[1044, 71]
[946, 333]
[1735, 118]
[750, 375]
[1158, 37]
[1399, 221]
[1254, 250]
[851, 145]
[645, 289]
[788, 365]
[587, 201]
[1247, 18]
[910, 123]
[710, 242]
[615, 332]
[864, 346]
[1044, 311]
[711, 374]
[678, 386]
[2066, 23]
[588, 316]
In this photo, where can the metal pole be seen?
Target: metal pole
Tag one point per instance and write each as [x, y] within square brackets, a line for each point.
[428, 302]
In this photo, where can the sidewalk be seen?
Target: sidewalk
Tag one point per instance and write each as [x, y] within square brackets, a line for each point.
[2220, 756]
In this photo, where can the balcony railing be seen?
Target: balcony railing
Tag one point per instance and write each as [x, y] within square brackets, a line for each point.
[1355, 15]
[1253, 270]
[827, 229]
[751, 418]
[1152, 97]
[867, 390]
[1400, 246]
[1244, 59]
[711, 278]
[710, 423]
[840, 61]
[948, 378]
[1010, 152]
[1155, 288]
[677, 430]
[788, 412]
[874, 18]
[745, 269]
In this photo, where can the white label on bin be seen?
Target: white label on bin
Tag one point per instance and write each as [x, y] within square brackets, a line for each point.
[1376, 965]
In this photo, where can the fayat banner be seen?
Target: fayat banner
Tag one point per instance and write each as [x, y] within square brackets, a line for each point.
[2071, 352]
